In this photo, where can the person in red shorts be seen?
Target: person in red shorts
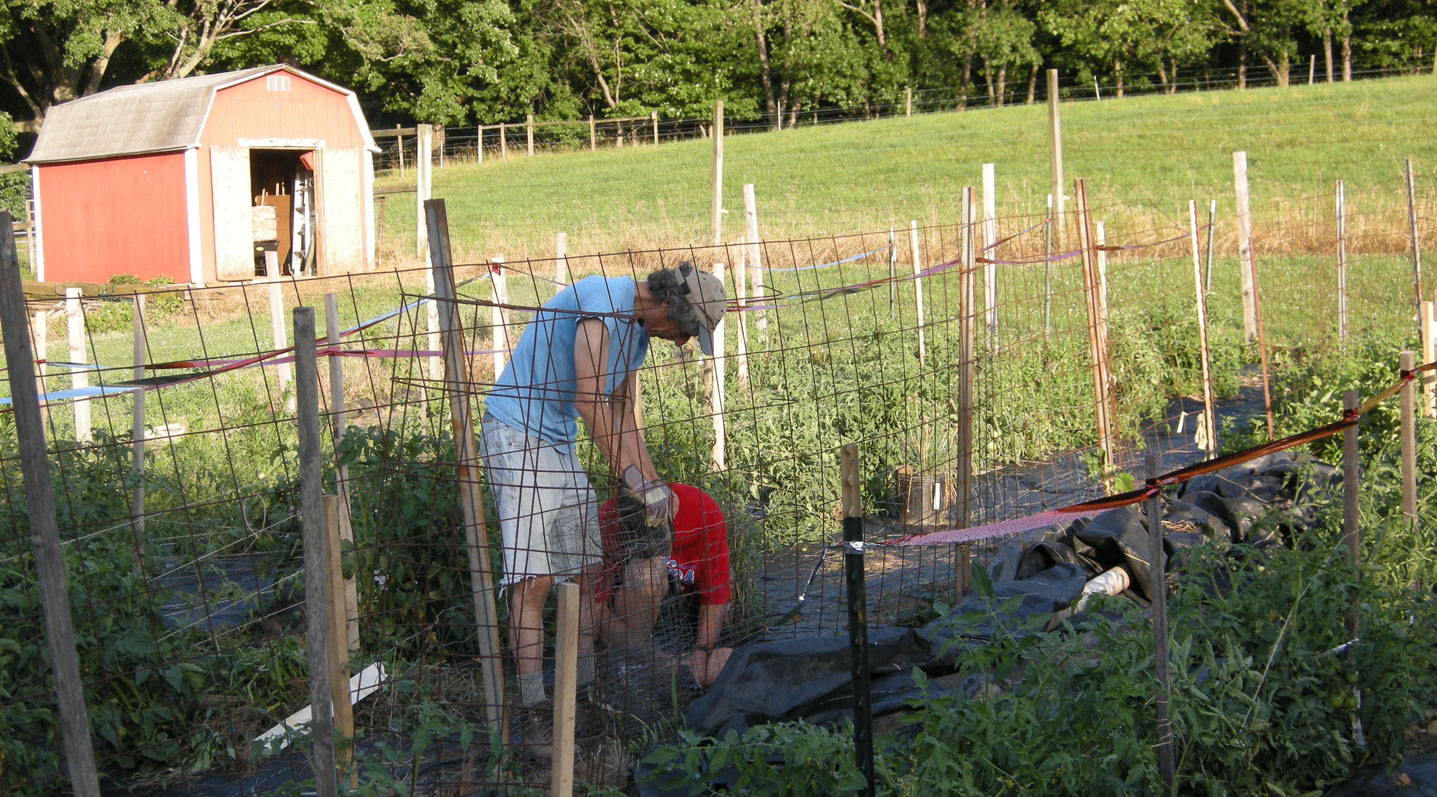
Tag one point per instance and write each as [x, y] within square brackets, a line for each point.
[638, 584]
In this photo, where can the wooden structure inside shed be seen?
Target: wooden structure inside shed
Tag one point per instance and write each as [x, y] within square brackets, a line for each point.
[164, 179]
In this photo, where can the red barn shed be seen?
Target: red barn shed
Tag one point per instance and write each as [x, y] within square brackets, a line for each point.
[163, 178]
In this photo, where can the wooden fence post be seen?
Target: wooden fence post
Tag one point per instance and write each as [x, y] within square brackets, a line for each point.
[40, 330]
[967, 315]
[1102, 249]
[1167, 760]
[347, 587]
[1407, 361]
[139, 347]
[479, 146]
[566, 680]
[399, 145]
[1209, 418]
[337, 646]
[79, 377]
[529, 133]
[1211, 227]
[498, 315]
[990, 269]
[853, 572]
[280, 338]
[716, 396]
[461, 417]
[654, 117]
[1244, 246]
[593, 138]
[431, 312]
[561, 260]
[1048, 270]
[503, 141]
[917, 288]
[1055, 151]
[315, 539]
[423, 185]
[73, 717]
[740, 288]
[716, 222]
[755, 252]
[1349, 494]
[1097, 333]
[908, 101]
[1416, 239]
[1341, 265]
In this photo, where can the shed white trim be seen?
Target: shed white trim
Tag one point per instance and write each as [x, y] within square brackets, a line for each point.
[281, 143]
[192, 215]
[37, 257]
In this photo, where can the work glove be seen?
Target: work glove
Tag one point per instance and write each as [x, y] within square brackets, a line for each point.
[660, 503]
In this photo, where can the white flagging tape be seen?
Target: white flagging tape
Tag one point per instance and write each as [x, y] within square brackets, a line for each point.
[362, 685]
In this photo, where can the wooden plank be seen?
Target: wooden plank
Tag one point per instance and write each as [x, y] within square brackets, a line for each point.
[1208, 413]
[44, 532]
[1244, 246]
[392, 132]
[233, 238]
[566, 679]
[341, 471]
[337, 647]
[75, 325]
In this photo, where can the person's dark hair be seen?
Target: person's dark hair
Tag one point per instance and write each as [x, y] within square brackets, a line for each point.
[668, 283]
[636, 538]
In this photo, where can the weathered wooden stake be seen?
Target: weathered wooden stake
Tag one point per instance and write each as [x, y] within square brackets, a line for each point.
[44, 531]
[908, 101]
[1208, 414]
[479, 147]
[1102, 248]
[79, 377]
[917, 289]
[281, 340]
[1349, 478]
[1407, 361]
[1416, 239]
[716, 396]
[139, 349]
[471, 503]
[499, 316]
[1048, 269]
[654, 117]
[566, 680]
[561, 260]
[755, 252]
[423, 185]
[967, 314]
[337, 647]
[1167, 760]
[1211, 228]
[503, 141]
[1097, 333]
[857, 613]
[1055, 151]
[1341, 266]
[348, 588]
[1244, 246]
[740, 288]
[399, 145]
[716, 223]
[529, 133]
[1429, 354]
[593, 137]
[315, 539]
[40, 331]
[990, 270]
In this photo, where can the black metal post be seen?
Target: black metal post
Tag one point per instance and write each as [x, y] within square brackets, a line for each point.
[857, 614]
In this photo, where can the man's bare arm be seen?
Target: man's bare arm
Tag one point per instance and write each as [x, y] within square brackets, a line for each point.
[610, 420]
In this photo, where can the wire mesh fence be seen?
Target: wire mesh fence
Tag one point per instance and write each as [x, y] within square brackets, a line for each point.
[987, 370]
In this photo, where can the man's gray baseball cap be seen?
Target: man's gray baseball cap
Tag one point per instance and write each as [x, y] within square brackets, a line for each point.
[706, 295]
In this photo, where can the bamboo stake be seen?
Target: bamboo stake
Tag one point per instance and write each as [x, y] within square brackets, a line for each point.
[337, 647]
[79, 378]
[1208, 414]
[1055, 150]
[1407, 361]
[137, 418]
[347, 588]
[466, 457]
[755, 252]
[1211, 228]
[316, 554]
[1341, 265]
[967, 313]
[1244, 246]
[1167, 761]
[561, 260]
[1416, 239]
[566, 679]
[716, 396]
[990, 270]
[49, 566]
[716, 221]
[917, 289]
[1097, 333]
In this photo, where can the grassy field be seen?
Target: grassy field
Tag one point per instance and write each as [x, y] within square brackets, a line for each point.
[1142, 155]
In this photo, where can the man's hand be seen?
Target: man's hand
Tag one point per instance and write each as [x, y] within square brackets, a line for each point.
[660, 502]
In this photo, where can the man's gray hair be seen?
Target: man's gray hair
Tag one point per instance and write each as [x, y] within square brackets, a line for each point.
[668, 283]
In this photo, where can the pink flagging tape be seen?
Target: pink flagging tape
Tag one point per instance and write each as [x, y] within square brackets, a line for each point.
[1003, 528]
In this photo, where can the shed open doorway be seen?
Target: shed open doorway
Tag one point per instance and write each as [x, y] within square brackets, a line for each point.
[283, 179]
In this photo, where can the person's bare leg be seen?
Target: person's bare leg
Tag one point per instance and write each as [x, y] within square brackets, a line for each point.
[526, 630]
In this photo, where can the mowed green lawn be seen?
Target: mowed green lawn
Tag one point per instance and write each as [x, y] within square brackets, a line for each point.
[1146, 155]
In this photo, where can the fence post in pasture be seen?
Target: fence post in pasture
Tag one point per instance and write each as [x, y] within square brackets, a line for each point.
[529, 133]
[503, 141]
[755, 251]
[1311, 68]
[479, 144]
[1157, 559]
[399, 145]
[461, 418]
[498, 315]
[431, 311]
[1244, 246]
[717, 220]
[316, 555]
[917, 288]
[593, 138]
[566, 682]
[892, 272]
[857, 612]
[1341, 265]
[40, 330]
[1097, 332]
[281, 340]
[1209, 422]
[1416, 239]
[654, 117]
[336, 642]
[740, 289]
[1349, 491]
[341, 471]
[424, 185]
[967, 315]
[1429, 354]
[79, 378]
[137, 417]
[990, 269]
[1055, 149]
[1407, 361]
[561, 260]
[439, 143]
[716, 396]
[44, 532]
[1211, 227]
[1048, 269]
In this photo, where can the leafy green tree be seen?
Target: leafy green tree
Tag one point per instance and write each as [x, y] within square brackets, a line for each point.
[1130, 35]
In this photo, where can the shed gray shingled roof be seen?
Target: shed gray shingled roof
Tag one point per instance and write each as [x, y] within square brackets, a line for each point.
[164, 116]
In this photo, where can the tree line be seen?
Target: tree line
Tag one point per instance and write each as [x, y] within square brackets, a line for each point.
[486, 61]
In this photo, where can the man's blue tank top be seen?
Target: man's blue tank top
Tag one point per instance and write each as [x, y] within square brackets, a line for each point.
[535, 393]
